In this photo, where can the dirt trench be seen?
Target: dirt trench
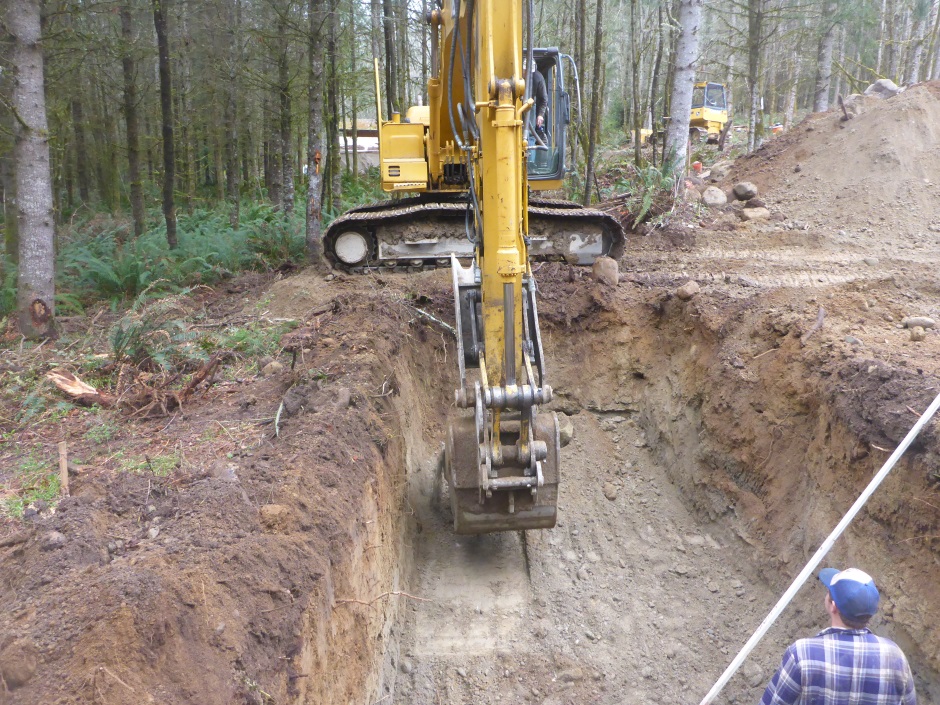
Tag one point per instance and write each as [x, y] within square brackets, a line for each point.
[714, 446]
[712, 454]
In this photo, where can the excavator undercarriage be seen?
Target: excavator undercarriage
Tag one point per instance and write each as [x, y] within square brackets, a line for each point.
[423, 231]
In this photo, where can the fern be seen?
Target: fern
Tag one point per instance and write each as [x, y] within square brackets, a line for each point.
[152, 333]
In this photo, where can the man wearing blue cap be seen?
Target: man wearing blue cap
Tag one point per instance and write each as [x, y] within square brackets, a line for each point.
[845, 663]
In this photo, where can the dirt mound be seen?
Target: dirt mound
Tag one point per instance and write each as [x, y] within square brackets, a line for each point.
[879, 169]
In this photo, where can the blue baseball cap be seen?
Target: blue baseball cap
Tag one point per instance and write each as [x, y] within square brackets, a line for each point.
[852, 590]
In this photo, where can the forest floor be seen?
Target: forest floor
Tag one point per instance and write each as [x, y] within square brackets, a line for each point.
[280, 537]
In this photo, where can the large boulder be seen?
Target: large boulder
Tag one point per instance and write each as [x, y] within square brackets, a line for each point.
[854, 104]
[745, 191]
[883, 88]
[719, 171]
[714, 196]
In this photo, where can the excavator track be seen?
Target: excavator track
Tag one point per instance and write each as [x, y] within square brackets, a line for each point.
[422, 232]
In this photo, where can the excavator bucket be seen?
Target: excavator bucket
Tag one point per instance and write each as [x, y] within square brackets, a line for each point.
[513, 500]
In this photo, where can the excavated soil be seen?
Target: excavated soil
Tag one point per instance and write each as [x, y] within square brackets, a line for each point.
[716, 442]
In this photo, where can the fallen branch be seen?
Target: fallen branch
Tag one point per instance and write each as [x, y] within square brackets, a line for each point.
[379, 597]
[81, 392]
[446, 326]
[110, 673]
[820, 317]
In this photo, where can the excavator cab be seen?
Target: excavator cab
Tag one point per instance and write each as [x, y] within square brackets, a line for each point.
[546, 146]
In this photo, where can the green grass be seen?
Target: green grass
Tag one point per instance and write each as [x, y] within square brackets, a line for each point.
[101, 431]
[158, 466]
[253, 340]
[33, 478]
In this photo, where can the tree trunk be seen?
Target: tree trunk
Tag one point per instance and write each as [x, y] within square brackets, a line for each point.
[635, 84]
[657, 67]
[824, 60]
[680, 106]
[336, 174]
[595, 101]
[315, 132]
[375, 35]
[81, 151]
[131, 121]
[166, 110]
[755, 18]
[287, 163]
[232, 181]
[881, 39]
[391, 63]
[789, 108]
[36, 278]
[837, 86]
[354, 91]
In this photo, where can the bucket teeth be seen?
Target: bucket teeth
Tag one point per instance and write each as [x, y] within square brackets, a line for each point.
[479, 512]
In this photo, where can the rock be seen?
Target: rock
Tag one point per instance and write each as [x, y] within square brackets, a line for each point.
[220, 627]
[274, 517]
[606, 271]
[749, 214]
[753, 674]
[714, 197]
[153, 532]
[720, 171]
[18, 663]
[921, 321]
[406, 666]
[610, 491]
[52, 541]
[590, 635]
[343, 398]
[565, 429]
[688, 290]
[571, 675]
[583, 573]
[272, 368]
[871, 261]
[755, 203]
[462, 672]
[745, 191]
[883, 88]
[854, 104]
[712, 586]
[692, 195]
[918, 334]
[798, 168]
[852, 340]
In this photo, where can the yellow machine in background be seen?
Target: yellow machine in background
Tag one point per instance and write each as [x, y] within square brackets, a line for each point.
[709, 110]
[470, 158]
[432, 155]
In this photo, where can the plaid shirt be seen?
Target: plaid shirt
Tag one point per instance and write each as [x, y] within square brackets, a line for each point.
[842, 667]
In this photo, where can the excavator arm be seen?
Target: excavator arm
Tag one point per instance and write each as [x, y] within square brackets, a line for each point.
[501, 458]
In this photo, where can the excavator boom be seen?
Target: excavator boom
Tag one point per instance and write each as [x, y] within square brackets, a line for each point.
[470, 157]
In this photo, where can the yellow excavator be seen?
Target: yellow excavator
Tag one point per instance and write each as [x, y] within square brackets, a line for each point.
[472, 155]
[709, 111]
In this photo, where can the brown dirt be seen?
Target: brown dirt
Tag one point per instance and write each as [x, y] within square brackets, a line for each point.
[717, 442]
